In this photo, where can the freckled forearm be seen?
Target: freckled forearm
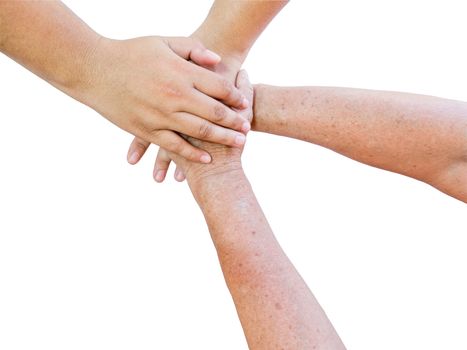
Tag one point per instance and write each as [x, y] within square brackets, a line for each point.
[419, 136]
[274, 304]
[230, 208]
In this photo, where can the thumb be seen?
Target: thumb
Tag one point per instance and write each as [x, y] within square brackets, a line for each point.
[192, 49]
[244, 86]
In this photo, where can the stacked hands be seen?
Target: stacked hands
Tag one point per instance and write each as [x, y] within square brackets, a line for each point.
[224, 158]
[181, 96]
[205, 140]
[176, 93]
[198, 108]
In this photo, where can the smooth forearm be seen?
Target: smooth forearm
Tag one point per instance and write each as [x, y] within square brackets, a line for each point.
[275, 307]
[420, 136]
[232, 27]
[48, 39]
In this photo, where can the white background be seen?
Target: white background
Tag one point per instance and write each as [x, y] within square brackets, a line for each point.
[95, 255]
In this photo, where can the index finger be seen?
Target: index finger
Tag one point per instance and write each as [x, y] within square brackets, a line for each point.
[220, 88]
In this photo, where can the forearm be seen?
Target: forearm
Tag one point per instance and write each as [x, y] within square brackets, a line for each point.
[232, 27]
[275, 307]
[48, 39]
[420, 136]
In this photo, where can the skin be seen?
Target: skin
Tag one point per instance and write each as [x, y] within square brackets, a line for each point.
[230, 29]
[419, 136]
[276, 308]
[146, 86]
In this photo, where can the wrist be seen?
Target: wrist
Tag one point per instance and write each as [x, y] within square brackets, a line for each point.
[211, 181]
[260, 118]
[230, 55]
[231, 61]
[84, 79]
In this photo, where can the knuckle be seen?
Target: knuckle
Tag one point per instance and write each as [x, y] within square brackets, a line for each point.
[169, 90]
[205, 130]
[239, 121]
[175, 146]
[190, 155]
[140, 146]
[156, 139]
[158, 133]
[227, 88]
[219, 113]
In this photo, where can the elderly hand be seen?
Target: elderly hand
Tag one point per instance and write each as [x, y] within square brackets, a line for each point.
[148, 87]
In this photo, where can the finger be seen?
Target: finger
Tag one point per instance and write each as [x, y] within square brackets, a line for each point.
[173, 142]
[218, 87]
[218, 113]
[202, 129]
[179, 175]
[137, 149]
[204, 57]
[161, 165]
[193, 49]
[245, 87]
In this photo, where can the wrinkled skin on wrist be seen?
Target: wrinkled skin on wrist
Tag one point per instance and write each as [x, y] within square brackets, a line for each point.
[224, 159]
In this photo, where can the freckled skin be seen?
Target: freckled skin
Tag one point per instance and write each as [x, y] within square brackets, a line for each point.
[275, 306]
[419, 136]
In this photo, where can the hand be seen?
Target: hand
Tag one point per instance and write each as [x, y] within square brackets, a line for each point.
[228, 68]
[148, 87]
[224, 158]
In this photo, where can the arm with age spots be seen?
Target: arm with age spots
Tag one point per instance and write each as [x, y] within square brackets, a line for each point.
[419, 136]
[145, 86]
[230, 29]
[276, 308]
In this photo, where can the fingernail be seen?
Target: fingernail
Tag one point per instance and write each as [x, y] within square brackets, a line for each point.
[133, 158]
[240, 140]
[213, 56]
[205, 158]
[246, 127]
[245, 103]
[159, 176]
[179, 176]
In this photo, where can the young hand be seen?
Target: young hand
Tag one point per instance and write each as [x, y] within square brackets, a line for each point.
[148, 87]
[228, 68]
